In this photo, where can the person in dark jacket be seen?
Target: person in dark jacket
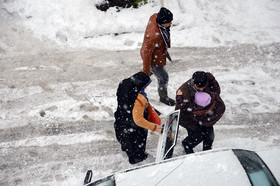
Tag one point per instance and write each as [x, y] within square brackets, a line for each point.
[154, 51]
[132, 129]
[201, 107]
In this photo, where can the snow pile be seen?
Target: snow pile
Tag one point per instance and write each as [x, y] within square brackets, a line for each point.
[77, 23]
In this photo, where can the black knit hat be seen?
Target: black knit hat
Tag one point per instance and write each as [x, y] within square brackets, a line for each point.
[140, 79]
[164, 16]
[200, 79]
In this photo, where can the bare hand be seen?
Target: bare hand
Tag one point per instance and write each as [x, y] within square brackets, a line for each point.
[179, 92]
[158, 129]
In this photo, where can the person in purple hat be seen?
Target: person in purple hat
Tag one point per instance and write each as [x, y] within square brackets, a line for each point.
[201, 107]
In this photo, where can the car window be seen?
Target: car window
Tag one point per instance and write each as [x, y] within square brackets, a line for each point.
[257, 171]
[171, 135]
[108, 181]
[168, 139]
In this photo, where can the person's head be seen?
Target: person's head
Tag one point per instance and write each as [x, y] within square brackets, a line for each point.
[140, 80]
[164, 17]
[200, 80]
[202, 99]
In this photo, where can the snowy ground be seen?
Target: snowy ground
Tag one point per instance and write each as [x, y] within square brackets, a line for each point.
[57, 108]
[57, 102]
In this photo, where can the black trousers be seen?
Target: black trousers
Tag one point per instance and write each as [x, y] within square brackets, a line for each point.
[132, 139]
[200, 134]
[163, 78]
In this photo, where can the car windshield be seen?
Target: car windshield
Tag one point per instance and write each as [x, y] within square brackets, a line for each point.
[108, 181]
[256, 169]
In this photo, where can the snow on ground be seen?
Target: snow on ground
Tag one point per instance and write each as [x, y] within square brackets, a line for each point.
[78, 23]
[61, 63]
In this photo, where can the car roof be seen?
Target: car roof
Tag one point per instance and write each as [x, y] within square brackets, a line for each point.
[205, 168]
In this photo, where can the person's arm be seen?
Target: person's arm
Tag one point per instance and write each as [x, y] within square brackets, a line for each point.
[213, 115]
[205, 110]
[183, 104]
[214, 86]
[138, 115]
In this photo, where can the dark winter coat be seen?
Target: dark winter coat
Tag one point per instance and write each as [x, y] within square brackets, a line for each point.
[126, 95]
[152, 51]
[192, 114]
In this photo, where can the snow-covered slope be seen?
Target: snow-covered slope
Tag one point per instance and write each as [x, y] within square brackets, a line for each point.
[77, 23]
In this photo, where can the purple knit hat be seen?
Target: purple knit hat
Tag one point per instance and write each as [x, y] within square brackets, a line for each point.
[202, 99]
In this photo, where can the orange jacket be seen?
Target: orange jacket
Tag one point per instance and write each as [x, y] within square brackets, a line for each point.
[138, 113]
[152, 51]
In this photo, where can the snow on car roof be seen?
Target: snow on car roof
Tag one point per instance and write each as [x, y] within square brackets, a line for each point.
[195, 169]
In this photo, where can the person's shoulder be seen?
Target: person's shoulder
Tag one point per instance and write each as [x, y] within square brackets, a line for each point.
[152, 31]
[187, 83]
[153, 19]
[210, 75]
[185, 86]
[141, 98]
[154, 16]
[125, 81]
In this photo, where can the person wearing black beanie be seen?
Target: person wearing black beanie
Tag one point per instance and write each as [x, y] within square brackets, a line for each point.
[154, 51]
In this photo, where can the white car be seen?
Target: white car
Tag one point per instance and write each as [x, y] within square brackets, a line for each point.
[221, 167]
[230, 167]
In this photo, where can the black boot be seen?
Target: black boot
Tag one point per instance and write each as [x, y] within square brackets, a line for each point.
[187, 148]
[206, 147]
[163, 96]
[168, 101]
[138, 159]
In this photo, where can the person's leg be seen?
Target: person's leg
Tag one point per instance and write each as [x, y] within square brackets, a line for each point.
[193, 139]
[208, 137]
[141, 139]
[136, 145]
[131, 144]
[120, 134]
[132, 140]
[163, 78]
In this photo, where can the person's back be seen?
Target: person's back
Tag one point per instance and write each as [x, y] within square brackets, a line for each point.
[126, 95]
[152, 50]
